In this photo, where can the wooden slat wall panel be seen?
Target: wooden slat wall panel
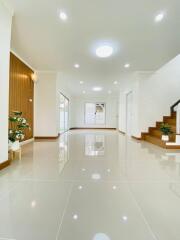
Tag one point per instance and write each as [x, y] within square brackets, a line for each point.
[21, 89]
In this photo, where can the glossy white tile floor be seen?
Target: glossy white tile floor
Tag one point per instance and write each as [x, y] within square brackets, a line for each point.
[91, 185]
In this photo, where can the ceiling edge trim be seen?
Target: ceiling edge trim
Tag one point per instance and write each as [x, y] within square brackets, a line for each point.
[18, 56]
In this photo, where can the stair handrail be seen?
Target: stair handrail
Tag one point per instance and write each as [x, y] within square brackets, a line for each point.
[174, 105]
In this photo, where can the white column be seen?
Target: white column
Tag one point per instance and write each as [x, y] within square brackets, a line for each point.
[45, 105]
[5, 38]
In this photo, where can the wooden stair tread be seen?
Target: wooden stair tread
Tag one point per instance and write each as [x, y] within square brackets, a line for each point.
[157, 133]
[155, 140]
[154, 134]
[173, 126]
[170, 121]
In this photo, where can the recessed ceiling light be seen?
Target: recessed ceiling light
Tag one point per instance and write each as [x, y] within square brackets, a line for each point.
[124, 218]
[80, 187]
[83, 169]
[115, 82]
[127, 65]
[109, 92]
[108, 170]
[76, 65]
[63, 16]
[159, 17]
[33, 204]
[81, 82]
[97, 89]
[75, 216]
[84, 92]
[114, 187]
[104, 51]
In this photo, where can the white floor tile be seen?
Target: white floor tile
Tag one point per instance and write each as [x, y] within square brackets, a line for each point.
[91, 185]
[33, 210]
[103, 208]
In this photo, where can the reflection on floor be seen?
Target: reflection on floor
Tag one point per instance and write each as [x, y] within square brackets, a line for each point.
[94, 145]
[91, 185]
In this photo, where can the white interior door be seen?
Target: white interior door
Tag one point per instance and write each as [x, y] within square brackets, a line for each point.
[100, 113]
[129, 102]
[95, 113]
[90, 116]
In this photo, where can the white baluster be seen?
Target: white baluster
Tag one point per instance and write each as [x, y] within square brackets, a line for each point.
[177, 142]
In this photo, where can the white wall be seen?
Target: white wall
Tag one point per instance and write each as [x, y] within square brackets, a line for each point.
[78, 113]
[128, 84]
[154, 93]
[45, 105]
[5, 38]
[158, 93]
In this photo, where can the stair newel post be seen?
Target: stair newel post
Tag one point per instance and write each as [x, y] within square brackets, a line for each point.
[178, 119]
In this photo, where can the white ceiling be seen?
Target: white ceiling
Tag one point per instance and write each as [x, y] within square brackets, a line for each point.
[47, 43]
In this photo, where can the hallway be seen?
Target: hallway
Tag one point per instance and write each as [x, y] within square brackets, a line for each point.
[92, 185]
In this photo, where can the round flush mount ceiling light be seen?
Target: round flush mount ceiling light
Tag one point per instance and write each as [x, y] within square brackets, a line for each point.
[63, 16]
[97, 89]
[96, 176]
[105, 48]
[104, 51]
[159, 17]
[84, 92]
[115, 82]
[81, 82]
[101, 236]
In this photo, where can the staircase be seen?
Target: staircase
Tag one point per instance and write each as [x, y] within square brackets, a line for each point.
[154, 134]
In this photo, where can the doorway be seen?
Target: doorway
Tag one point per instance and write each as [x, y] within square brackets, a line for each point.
[64, 114]
[129, 108]
[95, 113]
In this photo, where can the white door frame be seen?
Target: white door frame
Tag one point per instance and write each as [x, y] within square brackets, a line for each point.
[127, 94]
